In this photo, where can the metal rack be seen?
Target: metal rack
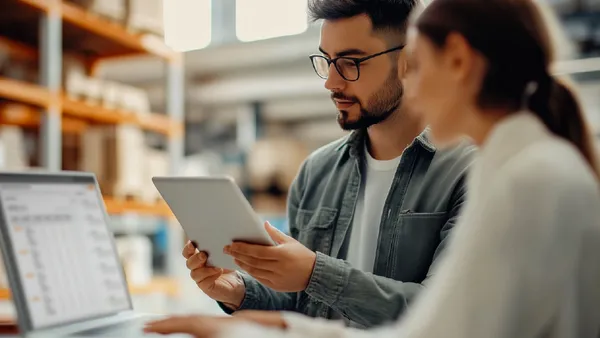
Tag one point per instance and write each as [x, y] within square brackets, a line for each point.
[61, 26]
[44, 30]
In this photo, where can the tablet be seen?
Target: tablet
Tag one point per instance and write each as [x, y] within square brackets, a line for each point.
[213, 213]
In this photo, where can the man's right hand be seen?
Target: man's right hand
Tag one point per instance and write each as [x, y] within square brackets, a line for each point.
[225, 286]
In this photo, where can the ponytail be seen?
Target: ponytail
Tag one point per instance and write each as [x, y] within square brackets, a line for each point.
[556, 105]
[513, 81]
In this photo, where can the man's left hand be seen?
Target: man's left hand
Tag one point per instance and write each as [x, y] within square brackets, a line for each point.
[286, 267]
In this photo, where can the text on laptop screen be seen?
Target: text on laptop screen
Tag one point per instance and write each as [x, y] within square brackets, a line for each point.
[66, 260]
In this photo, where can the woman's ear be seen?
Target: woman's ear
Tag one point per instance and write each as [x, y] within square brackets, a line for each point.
[466, 66]
[460, 57]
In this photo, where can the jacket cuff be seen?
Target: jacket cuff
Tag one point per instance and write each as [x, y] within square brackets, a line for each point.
[328, 280]
[251, 300]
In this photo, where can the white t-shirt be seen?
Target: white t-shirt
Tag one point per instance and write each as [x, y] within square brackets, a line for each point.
[376, 182]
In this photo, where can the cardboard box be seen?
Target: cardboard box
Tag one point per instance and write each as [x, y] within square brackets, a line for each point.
[268, 204]
[93, 153]
[13, 153]
[274, 162]
[71, 151]
[75, 84]
[93, 90]
[111, 94]
[133, 99]
[115, 10]
[157, 164]
[116, 154]
[145, 16]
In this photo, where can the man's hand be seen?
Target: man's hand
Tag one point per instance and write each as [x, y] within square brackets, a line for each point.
[286, 267]
[224, 286]
[206, 327]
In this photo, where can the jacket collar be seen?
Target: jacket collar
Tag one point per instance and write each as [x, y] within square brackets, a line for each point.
[356, 140]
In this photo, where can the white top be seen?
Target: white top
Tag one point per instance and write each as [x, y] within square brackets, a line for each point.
[375, 186]
[523, 260]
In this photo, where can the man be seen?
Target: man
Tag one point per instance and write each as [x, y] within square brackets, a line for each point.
[370, 213]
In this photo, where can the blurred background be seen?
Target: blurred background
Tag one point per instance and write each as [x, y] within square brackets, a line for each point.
[93, 85]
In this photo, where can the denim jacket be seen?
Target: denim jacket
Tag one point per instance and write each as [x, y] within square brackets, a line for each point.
[421, 208]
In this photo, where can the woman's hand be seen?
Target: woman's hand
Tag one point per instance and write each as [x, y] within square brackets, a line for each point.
[211, 326]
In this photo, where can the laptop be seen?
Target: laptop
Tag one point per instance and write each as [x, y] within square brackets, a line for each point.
[64, 272]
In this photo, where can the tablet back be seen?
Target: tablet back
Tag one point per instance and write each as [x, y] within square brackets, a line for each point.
[213, 213]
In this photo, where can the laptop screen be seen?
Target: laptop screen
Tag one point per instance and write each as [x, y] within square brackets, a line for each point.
[64, 255]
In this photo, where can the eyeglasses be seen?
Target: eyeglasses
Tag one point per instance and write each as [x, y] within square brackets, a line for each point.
[347, 67]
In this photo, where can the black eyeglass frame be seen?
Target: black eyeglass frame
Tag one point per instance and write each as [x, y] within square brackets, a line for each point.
[357, 61]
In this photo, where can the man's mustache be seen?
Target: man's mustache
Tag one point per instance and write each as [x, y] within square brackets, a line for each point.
[341, 96]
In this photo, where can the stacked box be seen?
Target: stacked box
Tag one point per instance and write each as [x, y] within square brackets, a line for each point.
[13, 153]
[70, 151]
[111, 95]
[116, 154]
[115, 10]
[157, 164]
[274, 162]
[145, 16]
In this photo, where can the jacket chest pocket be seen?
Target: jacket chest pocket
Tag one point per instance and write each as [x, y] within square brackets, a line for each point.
[414, 240]
[314, 228]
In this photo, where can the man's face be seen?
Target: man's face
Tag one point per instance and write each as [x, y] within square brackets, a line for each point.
[378, 91]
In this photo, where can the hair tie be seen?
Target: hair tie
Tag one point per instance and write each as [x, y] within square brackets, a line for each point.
[530, 88]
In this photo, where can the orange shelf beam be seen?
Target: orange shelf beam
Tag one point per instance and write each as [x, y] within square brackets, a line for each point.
[163, 285]
[35, 95]
[159, 123]
[28, 117]
[4, 294]
[25, 92]
[83, 110]
[116, 207]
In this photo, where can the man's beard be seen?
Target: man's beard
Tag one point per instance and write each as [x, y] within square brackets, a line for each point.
[380, 106]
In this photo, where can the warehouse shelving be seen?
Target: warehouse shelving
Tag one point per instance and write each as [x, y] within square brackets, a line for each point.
[30, 118]
[158, 285]
[25, 92]
[104, 38]
[42, 31]
[60, 27]
[38, 96]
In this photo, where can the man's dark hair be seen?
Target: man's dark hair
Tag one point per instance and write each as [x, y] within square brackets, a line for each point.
[384, 14]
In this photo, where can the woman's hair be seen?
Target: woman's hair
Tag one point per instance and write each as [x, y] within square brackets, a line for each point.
[513, 38]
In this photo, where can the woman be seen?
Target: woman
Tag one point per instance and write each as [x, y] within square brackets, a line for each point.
[523, 262]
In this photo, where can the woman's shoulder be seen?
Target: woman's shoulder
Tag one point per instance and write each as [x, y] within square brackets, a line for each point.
[545, 186]
[549, 165]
